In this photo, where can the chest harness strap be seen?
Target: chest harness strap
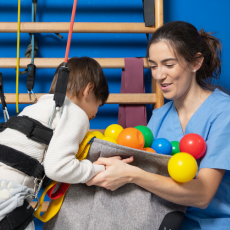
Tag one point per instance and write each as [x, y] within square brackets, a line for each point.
[21, 161]
[30, 127]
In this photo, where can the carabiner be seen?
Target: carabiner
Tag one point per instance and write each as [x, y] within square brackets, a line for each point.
[34, 197]
[35, 99]
[6, 114]
[53, 114]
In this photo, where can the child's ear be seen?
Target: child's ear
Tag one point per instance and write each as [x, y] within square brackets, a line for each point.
[89, 88]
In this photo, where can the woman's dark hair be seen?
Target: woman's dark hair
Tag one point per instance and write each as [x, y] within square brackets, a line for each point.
[83, 71]
[186, 42]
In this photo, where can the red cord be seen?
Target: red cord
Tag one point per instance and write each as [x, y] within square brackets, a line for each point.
[70, 31]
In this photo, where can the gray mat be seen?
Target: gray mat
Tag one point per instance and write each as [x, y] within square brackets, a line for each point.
[129, 207]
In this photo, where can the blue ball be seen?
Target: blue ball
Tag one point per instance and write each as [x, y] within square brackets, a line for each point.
[163, 146]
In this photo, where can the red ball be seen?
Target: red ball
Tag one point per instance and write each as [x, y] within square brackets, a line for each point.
[193, 144]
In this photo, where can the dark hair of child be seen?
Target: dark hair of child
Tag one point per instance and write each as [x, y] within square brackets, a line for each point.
[84, 70]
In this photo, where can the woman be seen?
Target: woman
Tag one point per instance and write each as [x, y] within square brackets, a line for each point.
[183, 62]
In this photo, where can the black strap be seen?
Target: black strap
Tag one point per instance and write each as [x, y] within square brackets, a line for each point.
[2, 93]
[18, 219]
[30, 76]
[30, 127]
[149, 12]
[21, 161]
[61, 85]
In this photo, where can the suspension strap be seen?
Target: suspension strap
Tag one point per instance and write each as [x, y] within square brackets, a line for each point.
[148, 13]
[4, 106]
[61, 86]
[18, 219]
[21, 161]
[63, 75]
[30, 127]
[30, 81]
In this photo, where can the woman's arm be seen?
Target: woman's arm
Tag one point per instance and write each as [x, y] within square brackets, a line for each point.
[197, 192]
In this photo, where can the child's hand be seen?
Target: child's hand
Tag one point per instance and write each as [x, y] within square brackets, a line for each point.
[98, 163]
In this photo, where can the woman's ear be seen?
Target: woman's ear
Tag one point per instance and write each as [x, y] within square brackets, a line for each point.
[88, 89]
[198, 62]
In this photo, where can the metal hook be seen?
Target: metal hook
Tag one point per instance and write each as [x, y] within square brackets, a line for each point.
[34, 197]
[35, 99]
[52, 116]
[6, 114]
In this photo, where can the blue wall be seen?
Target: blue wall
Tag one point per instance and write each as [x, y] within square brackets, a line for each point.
[207, 14]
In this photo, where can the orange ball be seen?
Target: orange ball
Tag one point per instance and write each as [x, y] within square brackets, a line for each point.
[149, 150]
[132, 138]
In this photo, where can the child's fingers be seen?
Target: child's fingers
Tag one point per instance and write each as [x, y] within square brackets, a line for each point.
[116, 157]
[128, 160]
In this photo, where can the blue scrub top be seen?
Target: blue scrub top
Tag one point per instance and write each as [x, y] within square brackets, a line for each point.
[212, 122]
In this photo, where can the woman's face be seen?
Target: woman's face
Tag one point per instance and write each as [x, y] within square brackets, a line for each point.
[174, 77]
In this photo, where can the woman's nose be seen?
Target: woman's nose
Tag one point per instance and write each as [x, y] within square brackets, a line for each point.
[159, 74]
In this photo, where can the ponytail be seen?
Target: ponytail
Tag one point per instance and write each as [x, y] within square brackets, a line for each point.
[211, 66]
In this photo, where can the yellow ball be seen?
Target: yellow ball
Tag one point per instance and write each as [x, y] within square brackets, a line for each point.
[110, 139]
[113, 131]
[182, 167]
[97, 134]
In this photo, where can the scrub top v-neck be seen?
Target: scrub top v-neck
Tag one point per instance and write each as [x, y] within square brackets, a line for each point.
[212, 122]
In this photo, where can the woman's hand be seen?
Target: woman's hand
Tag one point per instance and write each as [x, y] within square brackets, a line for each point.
[117, 173]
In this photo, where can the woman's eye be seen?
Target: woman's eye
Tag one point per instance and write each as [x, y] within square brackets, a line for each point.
[170, 66]
[153, 67]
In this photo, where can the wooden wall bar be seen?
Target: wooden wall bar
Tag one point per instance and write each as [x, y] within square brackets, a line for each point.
[79, 27]
[49, 63]
[114, 98]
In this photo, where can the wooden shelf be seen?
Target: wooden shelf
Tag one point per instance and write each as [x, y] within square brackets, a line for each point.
[106, 63]
[44, 206]
[79, 27]
[116, 98]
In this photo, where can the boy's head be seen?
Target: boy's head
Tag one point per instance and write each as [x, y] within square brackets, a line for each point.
[87, 86]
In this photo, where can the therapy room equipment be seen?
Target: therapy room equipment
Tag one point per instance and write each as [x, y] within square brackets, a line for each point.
[129, 206]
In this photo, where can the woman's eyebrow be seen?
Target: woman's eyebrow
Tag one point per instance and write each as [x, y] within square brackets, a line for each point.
[169, 59]
[165, 60]
[151, 61]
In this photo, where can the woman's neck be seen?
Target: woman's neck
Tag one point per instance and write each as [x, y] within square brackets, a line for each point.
[191, 100]
[188, 103]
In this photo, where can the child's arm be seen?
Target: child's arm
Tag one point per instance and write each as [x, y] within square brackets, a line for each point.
[60, 162]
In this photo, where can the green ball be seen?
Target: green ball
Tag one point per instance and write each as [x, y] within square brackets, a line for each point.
[147, 133]
[175, 147]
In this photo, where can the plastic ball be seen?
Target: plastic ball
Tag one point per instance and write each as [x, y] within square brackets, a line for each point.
[163, 146]
[113, 131]
[182, 167]
[193, 144]
[149, 150]
[97, 134]
[147, 133]
[175, 147]
[110, 139]
[132, 138]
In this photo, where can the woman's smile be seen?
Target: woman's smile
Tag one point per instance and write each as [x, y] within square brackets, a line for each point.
[165, 86]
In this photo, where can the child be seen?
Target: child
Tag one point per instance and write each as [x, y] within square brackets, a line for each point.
[87, 89]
